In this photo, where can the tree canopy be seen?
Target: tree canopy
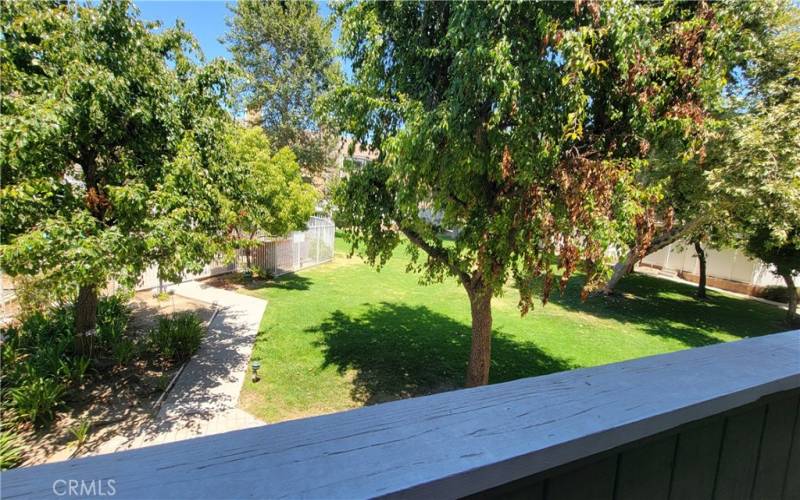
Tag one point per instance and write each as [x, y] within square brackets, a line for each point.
[757, 179]
[528, 127]
[267, 192]
[110, 158]
[286, 51]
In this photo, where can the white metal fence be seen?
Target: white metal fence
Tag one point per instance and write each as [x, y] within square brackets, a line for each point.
[299, 250]
[273, 256]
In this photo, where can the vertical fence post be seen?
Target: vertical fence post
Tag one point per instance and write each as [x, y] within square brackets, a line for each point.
[316, 236]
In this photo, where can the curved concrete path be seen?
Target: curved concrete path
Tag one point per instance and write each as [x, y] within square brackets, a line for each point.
[205, 397]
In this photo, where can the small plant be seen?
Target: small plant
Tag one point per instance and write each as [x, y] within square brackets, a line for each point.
[80, 431]
[177, 337]
[162, 297]
[74, 370]
[113, 314]
[124, 351]
[10, 449]
[162, 382]
[37, 399]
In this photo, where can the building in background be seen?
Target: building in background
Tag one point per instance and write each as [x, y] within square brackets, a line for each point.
[727, 269]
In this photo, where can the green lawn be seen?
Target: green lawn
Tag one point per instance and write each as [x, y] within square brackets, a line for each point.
[342, 335]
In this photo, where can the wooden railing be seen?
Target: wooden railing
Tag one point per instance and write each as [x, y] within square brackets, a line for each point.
[713, 422]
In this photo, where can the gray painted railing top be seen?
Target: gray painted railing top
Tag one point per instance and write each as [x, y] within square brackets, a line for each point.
[448, 444]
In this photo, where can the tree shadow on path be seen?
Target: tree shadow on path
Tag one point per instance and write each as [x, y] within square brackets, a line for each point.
[396, 351]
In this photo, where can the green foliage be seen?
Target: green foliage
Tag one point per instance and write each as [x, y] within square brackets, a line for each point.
[526, 126]
[775, 293]
[74, 370]
[33, 295]
[343, 335]
[80, 431]
[113, 315]
[757, 183]
[177, 337]
[286, 51]
[266, 190]
[109, 146]
[38, 365]
[124, 351]
[37, 398]
[40, 362]
[11, 449]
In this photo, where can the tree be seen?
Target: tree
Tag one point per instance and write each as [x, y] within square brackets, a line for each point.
[758, 183]
[689, 207]
[267, 192]
[286, 51]
[109, 149]
[523, 125]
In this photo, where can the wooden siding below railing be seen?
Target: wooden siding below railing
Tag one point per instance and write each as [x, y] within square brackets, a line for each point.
[713, 422]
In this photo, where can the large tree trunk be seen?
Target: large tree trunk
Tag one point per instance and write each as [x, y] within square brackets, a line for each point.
[86, 309]
[625, 266]
[621, 269]
[791, 314]
[480, 300]
[85, 318]
[701, 257]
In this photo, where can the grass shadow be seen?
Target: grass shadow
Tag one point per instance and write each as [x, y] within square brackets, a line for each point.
[233, 281]
[669, 309]
[291, 281]
[395, 351]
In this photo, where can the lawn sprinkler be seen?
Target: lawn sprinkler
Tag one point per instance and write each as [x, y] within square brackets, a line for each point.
[256, 365]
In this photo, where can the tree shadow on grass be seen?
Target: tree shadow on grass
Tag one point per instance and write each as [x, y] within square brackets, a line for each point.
[669, 309]
[396, 351]
[290, 281]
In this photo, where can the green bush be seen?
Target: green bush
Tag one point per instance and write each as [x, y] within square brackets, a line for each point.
[113, 314]
[775, 293]
[74, 369]
[124, 351]
[37, 398]
[41, 347]
[40, 361]
[177, 337]
[10, 449]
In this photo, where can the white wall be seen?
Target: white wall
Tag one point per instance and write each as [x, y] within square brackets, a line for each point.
[726, 264]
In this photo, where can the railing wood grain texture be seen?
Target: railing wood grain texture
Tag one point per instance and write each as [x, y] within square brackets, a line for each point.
[451, 444]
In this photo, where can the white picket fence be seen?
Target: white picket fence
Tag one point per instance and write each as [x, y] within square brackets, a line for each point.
[273, 256]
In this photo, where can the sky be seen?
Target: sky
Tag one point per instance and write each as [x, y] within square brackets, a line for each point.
[205, 19]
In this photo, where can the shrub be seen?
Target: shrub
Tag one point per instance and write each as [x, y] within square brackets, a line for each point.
[113, 314]
[775, 293]
[124, 351]
[34, 295]
[37, 399]
[38, 362]
[74, 370]
[37, 348]
[177, 337]
[10, 449]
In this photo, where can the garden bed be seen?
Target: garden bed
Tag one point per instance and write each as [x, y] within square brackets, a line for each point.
[114, 401]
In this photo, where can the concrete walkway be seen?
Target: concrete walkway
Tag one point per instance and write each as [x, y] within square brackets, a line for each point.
[205, 397]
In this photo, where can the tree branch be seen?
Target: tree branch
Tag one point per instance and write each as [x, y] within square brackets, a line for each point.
[436, 253]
